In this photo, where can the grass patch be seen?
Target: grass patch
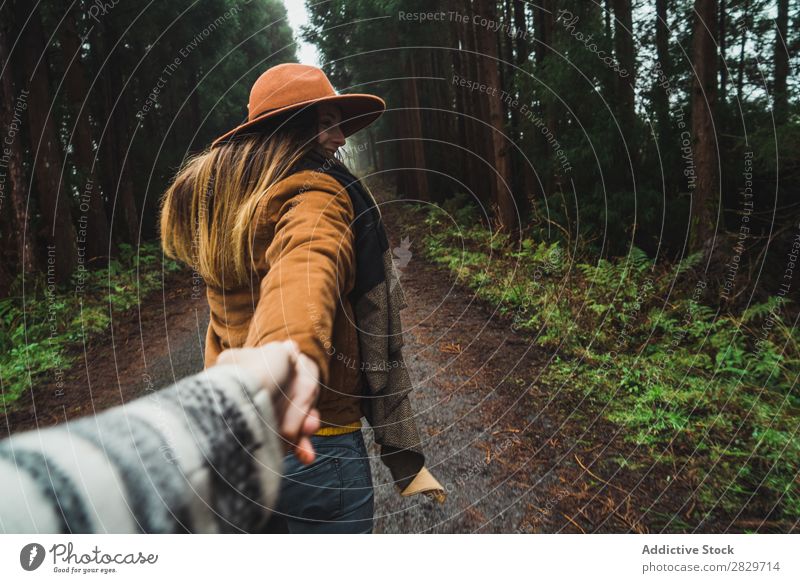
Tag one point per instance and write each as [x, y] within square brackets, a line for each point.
[42, 325]
[691, 387]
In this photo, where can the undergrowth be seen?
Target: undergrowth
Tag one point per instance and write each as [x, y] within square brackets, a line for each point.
[42, 323]
[712, 394]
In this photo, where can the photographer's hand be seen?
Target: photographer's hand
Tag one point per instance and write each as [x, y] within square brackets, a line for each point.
[292, 380]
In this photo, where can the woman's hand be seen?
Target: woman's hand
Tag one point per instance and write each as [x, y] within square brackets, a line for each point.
[292, 381]
[298, 405]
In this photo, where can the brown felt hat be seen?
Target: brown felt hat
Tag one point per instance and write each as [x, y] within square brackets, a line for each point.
[292, 86]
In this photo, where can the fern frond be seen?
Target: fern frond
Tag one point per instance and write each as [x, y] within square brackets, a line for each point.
[688, 262]
[759, 311]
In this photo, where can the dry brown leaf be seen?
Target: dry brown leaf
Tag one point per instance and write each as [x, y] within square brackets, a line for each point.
[450, 348]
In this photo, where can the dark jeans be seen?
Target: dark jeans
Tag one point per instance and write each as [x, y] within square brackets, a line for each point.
[332, 495]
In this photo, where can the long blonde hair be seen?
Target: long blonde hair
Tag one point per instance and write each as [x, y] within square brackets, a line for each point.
[207, 212]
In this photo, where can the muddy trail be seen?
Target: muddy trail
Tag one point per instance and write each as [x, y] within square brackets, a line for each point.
[514, 456]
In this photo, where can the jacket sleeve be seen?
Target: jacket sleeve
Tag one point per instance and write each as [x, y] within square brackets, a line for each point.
[202, 455]
[310, 261]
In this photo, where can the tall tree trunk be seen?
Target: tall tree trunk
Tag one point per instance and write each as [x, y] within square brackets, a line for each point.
[780, 97]
[522, 45]
[476, 111]
[464, 124]
[523, 179]
[8, 260]
[373, 155]
[447, 124]
[623, 46]
[661, 99]
[505, 45]
[723, 66]
[544, 29]
[54, 202]
[704, 98]
[93, 223]
[666, 136]
[402, 178]
[742, 44]
[414, 145]
[12, 183]
[490, 74]
[194, 100]
[117, 179]
[441, 123]
[625, 151]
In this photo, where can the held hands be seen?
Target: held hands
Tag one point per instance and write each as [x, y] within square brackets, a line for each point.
[292, 380]
[296, 406]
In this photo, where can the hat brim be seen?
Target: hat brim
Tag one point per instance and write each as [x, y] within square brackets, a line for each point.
[358, 111]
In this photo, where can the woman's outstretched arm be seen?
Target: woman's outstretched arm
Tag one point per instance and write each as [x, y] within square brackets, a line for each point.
[311, 260]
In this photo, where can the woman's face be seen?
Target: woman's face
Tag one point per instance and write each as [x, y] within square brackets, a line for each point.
[330, 136]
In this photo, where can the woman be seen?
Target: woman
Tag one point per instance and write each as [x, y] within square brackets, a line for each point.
[291, 246]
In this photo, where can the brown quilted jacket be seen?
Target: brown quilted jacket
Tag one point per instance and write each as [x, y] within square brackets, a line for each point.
[304, 269]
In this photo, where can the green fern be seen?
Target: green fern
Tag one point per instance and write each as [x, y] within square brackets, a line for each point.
[39, 339]
[760, 311]
[688, 263]
[697, 386]
[638, 260]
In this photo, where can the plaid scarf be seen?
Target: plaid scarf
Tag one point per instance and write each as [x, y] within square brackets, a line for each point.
[377, 299]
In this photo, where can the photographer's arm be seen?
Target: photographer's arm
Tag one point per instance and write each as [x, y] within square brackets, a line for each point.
[202, 455]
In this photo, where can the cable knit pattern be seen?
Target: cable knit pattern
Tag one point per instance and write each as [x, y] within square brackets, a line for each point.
[199, 456]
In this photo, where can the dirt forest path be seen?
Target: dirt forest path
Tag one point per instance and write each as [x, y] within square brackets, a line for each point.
[470, 408]
[500, 459]
[511, 458]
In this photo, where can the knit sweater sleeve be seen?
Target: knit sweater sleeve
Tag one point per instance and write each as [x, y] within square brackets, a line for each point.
[202, 455]
[310, 261]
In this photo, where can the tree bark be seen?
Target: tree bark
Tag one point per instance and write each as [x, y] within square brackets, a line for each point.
[373, 155]
[54, 202]
[429, 101]
[523, 179]
[523, 47]
[742, 44]
[114, 140]
[780, 97]
[661, 98]
[413, 144]
[400, 154]
[704, 99]
[478, 160]
[93, 223]
[12, 184]
[505, 45]
[490, 74]
[723, 67]
[544, 30]
[194, 100]
[464, 125]
[623, 46]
